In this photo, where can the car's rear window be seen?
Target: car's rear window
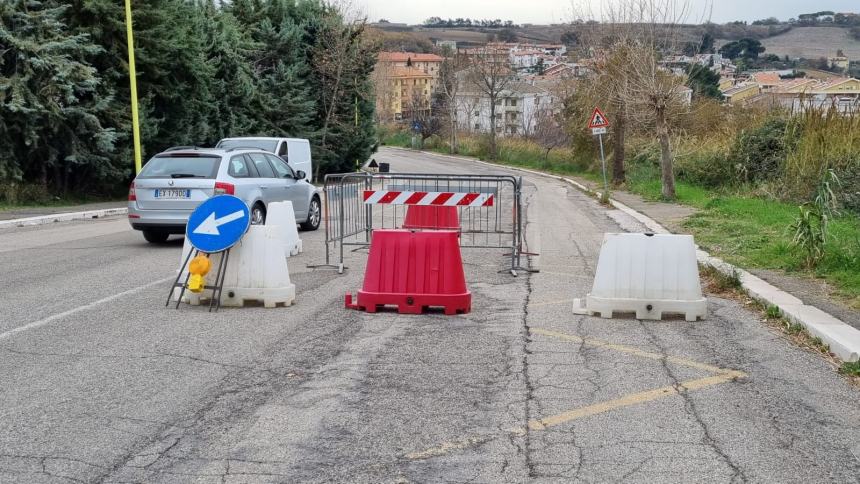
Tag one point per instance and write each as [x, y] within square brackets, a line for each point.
[179, 166]
[260, 144]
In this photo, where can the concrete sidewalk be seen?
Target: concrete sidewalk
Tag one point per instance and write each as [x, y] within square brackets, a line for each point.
[27, 212]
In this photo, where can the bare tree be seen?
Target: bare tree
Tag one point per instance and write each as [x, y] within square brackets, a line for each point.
[549, 132]
[449, 88]
[611, 85]
[340, 44]
[632, 39]
[490, 74]
[422, 116]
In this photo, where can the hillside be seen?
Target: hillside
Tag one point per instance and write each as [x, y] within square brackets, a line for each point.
[813, 43]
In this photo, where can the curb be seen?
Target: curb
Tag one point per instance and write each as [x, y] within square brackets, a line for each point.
[844, 340]
[62, 217]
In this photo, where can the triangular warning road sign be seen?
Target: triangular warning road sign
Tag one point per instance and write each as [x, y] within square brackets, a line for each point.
[598, 119]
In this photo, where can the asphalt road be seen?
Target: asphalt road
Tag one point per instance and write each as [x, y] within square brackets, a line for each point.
[100, 383]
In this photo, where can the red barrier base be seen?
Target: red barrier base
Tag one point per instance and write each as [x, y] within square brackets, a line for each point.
[413, 271]
[411, 304]
[431, 217]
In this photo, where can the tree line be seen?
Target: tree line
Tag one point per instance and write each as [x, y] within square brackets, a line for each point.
[437, 22]
[206, 70]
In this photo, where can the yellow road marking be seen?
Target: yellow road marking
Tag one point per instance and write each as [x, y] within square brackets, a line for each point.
[628, 400]
[723, 375]
[636, 351]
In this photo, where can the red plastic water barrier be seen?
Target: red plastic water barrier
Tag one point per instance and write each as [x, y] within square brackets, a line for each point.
[414, 271]
[430, 217]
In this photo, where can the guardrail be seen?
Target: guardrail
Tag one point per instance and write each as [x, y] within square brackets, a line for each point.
[488, 208]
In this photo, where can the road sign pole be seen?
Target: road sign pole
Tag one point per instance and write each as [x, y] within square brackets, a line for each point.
[603, 162]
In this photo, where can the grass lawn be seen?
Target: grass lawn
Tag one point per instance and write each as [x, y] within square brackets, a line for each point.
[754, 233]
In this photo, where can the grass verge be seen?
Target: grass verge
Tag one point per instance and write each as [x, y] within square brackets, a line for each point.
[753, 232]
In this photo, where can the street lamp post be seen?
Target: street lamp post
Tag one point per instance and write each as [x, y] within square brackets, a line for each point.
[135, 120]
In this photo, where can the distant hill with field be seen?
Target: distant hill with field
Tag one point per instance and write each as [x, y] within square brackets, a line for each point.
[813, 43]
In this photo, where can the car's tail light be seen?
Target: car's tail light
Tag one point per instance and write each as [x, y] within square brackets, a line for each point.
[132, 195]
[222, 188]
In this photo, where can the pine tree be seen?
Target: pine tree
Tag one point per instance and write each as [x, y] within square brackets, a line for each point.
[342, 61]
[52, 101]
[286, 105]
[228, 51]
[173, 78]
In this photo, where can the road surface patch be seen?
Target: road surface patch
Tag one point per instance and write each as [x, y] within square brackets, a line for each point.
[719, 376]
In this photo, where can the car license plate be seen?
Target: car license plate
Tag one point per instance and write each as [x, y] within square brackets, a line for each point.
[172, 193]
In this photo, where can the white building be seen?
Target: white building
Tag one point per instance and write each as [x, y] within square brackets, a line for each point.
[516, 113]
[525, 59]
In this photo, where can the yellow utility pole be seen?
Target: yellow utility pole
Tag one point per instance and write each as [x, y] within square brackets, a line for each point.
[135, 120]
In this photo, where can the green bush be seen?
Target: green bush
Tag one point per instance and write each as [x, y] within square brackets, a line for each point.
[849, 194]
[14, 193]
[434, 142]
[758, 154]
[393, 136]
[708, 169]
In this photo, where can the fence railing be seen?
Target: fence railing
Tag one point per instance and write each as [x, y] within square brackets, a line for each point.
[489, 209]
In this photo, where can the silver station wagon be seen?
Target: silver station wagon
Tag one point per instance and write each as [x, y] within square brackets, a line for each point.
[173, 183]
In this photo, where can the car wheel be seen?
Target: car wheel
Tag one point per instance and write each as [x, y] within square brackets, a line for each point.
[155, 237]
[258, 215]
[314, 215]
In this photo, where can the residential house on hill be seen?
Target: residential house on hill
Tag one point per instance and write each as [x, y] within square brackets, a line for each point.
[429, 63]
[839, 62]
[516, 113]
[741, 93]
[799, 95]
[404, 82]
[525, 59]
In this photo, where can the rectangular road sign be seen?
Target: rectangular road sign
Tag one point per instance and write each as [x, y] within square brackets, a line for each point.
[597, 131]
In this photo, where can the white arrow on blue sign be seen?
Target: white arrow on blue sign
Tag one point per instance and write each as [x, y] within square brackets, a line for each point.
[218, 223]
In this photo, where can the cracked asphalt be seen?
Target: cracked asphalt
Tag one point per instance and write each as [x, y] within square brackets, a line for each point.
[100, 383]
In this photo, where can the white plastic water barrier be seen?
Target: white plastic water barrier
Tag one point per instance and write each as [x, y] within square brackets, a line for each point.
[281, 215]
[256, 271]
[647, 274]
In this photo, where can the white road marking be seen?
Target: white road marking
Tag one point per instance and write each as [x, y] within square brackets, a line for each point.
[55, 317]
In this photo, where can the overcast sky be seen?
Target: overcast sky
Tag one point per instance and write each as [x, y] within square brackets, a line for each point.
[554, 11]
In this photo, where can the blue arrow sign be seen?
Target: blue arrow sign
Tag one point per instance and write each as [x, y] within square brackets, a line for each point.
[218, 223]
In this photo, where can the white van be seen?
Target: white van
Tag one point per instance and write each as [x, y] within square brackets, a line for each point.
[296, 151]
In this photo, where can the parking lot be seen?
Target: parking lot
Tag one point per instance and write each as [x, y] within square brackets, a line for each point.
[101, 383]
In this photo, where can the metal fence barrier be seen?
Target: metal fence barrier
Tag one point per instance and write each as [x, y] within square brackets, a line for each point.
[489, 209]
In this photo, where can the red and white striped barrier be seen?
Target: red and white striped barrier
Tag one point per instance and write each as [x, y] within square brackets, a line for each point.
[441, 199]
